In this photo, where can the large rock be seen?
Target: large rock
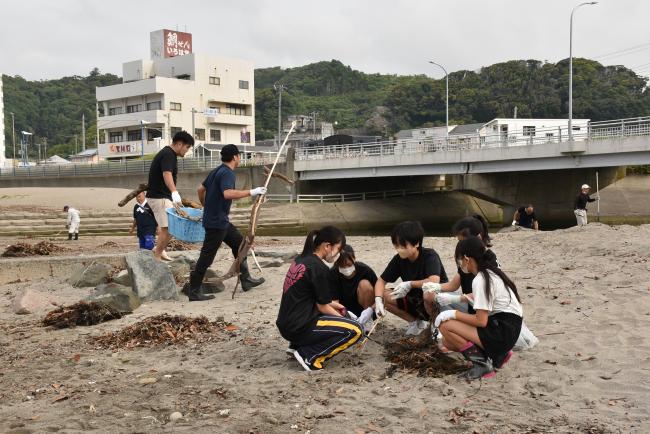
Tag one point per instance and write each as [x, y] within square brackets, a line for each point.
[123, 278]
[180, 268]
[152, 280]
[91, 275]
[116, 296]
[285, 256]
[213, 286]
[29, 301]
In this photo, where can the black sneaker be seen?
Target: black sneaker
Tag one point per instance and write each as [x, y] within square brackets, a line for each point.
[248, 283]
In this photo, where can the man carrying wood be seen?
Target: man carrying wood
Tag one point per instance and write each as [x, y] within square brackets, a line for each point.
[162, 193]
[216, 194]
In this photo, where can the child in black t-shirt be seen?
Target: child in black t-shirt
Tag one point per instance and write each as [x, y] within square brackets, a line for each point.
[308, 318]
[352, 284]
[419, 268]
[145, 222]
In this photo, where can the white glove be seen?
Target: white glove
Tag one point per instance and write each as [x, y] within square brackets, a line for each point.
[444, 316]
[514, 222]
[431, 287]
[400, 290]
[176, 197]
[257, 191]
[380, 310]
[351, 315]
[365, 315]
[445, 299]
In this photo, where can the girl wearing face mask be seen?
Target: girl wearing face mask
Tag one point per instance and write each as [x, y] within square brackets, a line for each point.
[487, 337]
[352, 284]
[419, 268]
[308, 318]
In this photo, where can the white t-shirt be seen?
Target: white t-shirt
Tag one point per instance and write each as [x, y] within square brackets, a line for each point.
[502, 298]
[73, 216]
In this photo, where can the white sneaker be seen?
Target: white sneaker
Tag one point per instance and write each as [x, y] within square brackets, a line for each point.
[300, 360]
[416, 327]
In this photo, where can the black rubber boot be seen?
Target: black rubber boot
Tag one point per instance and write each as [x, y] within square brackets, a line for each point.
[76, 237]
[195, 294]
[247, 281]
[69, 236]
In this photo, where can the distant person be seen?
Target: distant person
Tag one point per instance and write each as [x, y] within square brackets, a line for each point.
[73, 222]
[162, 192]
[145, 222]
[216, 194]
[352, 284]
[580, 205]
[420, 270]
[526, 218]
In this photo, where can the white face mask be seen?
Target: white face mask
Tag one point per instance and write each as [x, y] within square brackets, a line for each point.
[332, 257]
[347, 271]
[460, 265]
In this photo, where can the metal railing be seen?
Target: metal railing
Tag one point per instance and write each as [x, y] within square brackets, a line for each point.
[539, 136]
[128, 166]
[349, 197]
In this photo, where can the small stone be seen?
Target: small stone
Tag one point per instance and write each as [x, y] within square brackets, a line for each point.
[224, 412]
[175, 416]
[29, 301]
[148, 380]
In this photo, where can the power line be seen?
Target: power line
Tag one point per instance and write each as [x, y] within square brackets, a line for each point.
[624, 52]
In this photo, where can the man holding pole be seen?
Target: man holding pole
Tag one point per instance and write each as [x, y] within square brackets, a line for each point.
[216, 194]
[580, 205]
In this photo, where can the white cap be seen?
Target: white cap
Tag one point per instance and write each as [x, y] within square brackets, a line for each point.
[585, 186]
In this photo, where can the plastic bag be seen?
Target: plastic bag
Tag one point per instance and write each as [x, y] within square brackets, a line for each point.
[527, 339]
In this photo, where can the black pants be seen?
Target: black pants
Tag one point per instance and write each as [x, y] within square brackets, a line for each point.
[328, 337]
[213, 239]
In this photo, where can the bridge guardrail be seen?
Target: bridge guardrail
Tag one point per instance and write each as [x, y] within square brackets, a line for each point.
[349, 197]
[594, 131]
[116, 167]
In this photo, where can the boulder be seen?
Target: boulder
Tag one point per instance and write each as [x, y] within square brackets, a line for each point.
[123, 278]
[272, 263]
[116, 296]
[152, 280]
[213, 286]
[29, 301]
[285, 256]
[180, 268]
[91, 275]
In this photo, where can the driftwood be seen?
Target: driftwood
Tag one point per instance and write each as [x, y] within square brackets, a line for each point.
[246, 246]
[144, 187]
[289, 181]
[364, 340]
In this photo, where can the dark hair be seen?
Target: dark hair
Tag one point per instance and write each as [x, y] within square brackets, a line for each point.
[473, 247]
[347, 253]
[473, 226]
[408, 232]
[327, 234]
[183, 137]
[65, 208]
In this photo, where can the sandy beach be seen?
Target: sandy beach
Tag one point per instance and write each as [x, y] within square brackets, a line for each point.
[585, 293]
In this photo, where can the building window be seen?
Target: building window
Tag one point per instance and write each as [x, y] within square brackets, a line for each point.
[236, 109]
[199, 133]
[115, 137]
[245, 137]
[215, 80]
[575, 128]
[153, 133]
[134, 135]
[529, 130]
[174, 130]
[176, 106]
[215, 135]
[154, 105]
[243, 84]
[549, 134]
[133, 108]
[115, 111]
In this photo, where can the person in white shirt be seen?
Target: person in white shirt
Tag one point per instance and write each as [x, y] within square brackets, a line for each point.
[486, 338]
[73, 222]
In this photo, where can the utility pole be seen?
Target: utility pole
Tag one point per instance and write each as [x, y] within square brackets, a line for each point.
[446, 96]
[314, 113]
[279, 88]
[45, 148]
[83, 131]
[13, 135]
[76, 148]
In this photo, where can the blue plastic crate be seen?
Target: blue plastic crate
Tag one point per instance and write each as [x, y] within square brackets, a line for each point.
[184, 229]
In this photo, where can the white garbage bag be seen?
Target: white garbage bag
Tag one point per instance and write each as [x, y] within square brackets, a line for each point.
[527, 339]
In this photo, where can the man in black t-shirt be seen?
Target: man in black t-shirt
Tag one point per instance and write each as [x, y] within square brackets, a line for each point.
[145, 222]
[216, 194]
[162, 192]
[526, 218]
[419, 268]
[580, 205]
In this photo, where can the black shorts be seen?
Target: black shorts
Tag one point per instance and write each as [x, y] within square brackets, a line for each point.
[500, 334]
[413, 303]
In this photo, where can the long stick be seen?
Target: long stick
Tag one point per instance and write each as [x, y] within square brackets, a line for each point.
[598, 202]
[362, 345]
[245, 247]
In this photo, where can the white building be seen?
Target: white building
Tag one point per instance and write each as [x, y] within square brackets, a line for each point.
[2, 127]
[176, 90]
[535, 130]
[421, 134]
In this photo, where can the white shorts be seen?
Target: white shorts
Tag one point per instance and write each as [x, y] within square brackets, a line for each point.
[159, 208]
[74, 228]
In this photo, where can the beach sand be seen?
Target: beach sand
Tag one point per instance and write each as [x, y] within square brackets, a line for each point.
[586, 296]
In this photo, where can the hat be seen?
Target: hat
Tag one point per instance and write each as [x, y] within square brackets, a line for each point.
[585, 186]
[229, 151]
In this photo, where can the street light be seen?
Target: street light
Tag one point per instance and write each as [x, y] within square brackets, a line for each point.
[279, 87]
[571, 67]
[24, 147]
[13, 135]
[447, 96]
[142, 124]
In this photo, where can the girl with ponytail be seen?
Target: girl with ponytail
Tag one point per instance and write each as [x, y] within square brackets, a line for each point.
[313, 324]
[487, 337]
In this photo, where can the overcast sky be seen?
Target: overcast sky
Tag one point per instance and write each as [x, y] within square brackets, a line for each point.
[43, 39]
